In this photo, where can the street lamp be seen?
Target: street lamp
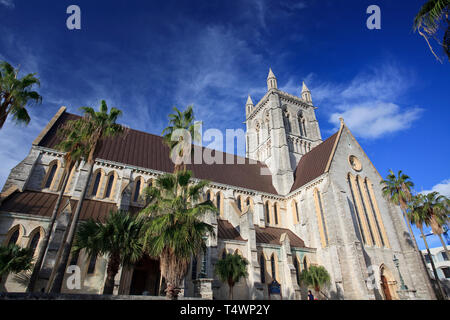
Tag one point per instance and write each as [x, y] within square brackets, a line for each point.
[403, 286]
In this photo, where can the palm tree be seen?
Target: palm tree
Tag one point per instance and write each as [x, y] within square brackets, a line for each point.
[397, 189]
[75, 149]
[429, 20]
[118, 238]
[231, 269]
[437, 210]
[419, 215]
[16, 93]
[14, 259]
[173, 230]
[180, 121]
[316, 277]
[94, 127]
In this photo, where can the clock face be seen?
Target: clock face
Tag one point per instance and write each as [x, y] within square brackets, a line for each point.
[355, 163]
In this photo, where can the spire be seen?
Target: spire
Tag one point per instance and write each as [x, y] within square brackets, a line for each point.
[249, 101]
[249, 106]
[305, 88]
[306, 94]
[271, 80]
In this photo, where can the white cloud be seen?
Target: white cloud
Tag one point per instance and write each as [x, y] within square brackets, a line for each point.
[443, 188]
[375, 119]
[8, 3]
[369, 102]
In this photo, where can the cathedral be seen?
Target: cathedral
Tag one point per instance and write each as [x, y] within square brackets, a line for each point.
[293, 202]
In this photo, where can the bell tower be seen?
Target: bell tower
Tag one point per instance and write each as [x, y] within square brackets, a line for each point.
[281, 128]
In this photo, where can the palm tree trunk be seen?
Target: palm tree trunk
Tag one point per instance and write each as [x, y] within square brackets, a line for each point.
[444, 245]
[436, 277]
[405, 216]
[40, 259]
[111, 271]
[230, 292]
[59, 277]
[3, 114]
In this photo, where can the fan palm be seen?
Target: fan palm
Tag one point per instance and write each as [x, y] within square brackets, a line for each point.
[436, 207]
[429, 20]
[94, 127]
[118, 238]
[180, 122]
[173, 229]
[14, 259]
[16, 93]
[316, 277]
[75, 149]
[397, 189]
[231, 269]
[419, 215]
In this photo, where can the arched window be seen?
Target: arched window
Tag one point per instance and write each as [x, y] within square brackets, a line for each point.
[305, 264]
[376, 212]
[296, 211]
[273, 267]
[275, 212]
[219, 202]
[137, 190]
[321, 218]
[96, 183]
[297, 270]
[262, 265]
[35, 241]
[208, 195]
[51, 176]
[14, 236]
[248, 202]
[109, 185]
[304, 128]
[267, 212]
[239, 200]
[300, 125]
[224, 254]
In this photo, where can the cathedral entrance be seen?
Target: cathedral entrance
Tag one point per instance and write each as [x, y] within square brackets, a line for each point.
[146, 277]
[384, 284]
[388, 284]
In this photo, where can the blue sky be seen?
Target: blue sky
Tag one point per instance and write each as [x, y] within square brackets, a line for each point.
[146, 56]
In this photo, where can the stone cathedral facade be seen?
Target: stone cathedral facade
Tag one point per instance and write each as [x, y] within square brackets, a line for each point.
[304, 201]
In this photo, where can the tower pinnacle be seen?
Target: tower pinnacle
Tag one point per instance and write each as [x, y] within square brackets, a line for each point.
[271, 80]
[306, 94]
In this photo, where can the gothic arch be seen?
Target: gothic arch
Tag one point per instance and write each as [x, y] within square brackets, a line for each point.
[16, 232]
[138, 186]
[219, 203]
[110, 186]
[96, 183]
[295, 211]
[35, 238]
[274, 265]
[267, 212]
[388, 284]
[51, 179]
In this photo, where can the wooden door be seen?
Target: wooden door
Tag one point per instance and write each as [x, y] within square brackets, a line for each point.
[384, 284]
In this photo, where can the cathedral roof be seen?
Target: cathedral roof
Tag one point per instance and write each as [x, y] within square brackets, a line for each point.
[314, 163]
[42, 204]
[145, 150]
[267, 235]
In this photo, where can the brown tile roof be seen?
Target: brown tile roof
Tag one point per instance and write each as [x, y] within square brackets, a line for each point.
[42, 204]
[146, 150]
[271, 235]
[268, 235]
[226, 231]
[313, 164]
